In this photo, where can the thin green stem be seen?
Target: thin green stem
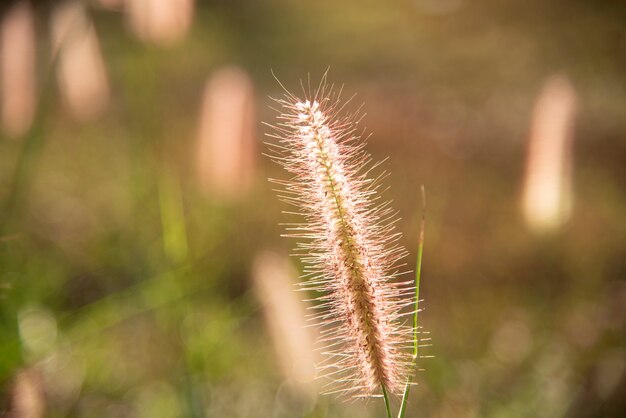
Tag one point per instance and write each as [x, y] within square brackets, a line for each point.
[405, 398]
[387, 404]
[418, 274]
[172, 212]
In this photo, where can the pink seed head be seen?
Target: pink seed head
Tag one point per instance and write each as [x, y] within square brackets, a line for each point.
[348, 245]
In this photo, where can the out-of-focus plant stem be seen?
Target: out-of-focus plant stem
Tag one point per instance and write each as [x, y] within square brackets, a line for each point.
[418, 274]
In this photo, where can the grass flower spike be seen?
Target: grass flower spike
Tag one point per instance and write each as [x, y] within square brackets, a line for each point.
[348, 245]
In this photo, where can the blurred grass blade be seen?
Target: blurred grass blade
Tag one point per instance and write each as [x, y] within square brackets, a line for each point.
[418, 274]
[175, 243]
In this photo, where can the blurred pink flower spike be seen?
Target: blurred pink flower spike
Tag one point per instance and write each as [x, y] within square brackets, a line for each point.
[284, 314]
[226, 148]
[547, 192]
[81, 73]
[161, 22]
[17, 69]
[28, 398]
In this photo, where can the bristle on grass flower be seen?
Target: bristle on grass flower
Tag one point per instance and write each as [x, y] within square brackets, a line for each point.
[348, 244]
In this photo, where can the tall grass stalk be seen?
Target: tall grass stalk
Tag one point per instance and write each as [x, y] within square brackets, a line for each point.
[416, 327]
[348, 245]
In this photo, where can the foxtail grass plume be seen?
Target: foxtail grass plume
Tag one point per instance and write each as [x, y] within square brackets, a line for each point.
[273, 277]
[161, 22]
[28, 398]
[81, 73]
[226, 145]
[348, 244]
[547, 195]
[18, 69]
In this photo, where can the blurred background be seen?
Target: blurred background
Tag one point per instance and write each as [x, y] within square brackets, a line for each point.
[141, 269]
